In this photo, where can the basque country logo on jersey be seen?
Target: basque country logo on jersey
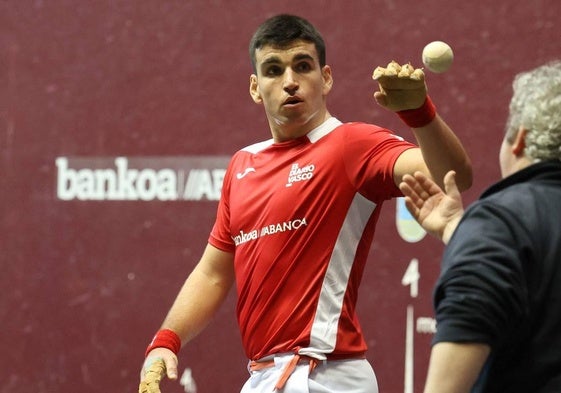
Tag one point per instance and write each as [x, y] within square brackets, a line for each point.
[300, 174]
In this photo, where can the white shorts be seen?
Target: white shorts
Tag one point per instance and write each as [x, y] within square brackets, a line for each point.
[333, 376]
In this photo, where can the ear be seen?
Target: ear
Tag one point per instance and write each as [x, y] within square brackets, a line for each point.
[519, 142]
[254, 89]
[327, 79]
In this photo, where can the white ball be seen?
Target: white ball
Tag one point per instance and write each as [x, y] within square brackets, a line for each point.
[438, 56]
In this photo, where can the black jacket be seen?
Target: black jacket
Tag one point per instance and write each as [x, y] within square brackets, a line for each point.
[501, 281]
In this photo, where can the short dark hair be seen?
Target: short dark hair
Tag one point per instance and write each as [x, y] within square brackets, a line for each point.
[281, 30]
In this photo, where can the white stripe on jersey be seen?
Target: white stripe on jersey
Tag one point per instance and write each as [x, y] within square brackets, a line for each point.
[323, 336]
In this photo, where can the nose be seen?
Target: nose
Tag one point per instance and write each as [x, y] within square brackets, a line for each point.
[290, 83]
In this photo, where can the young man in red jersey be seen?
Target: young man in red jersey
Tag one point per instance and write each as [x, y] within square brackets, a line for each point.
[296, 220]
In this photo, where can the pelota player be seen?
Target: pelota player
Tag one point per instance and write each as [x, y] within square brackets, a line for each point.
[297, 217]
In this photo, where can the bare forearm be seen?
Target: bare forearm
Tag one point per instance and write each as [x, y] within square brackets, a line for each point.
[442, 151]
[454, 367]
[200, 297]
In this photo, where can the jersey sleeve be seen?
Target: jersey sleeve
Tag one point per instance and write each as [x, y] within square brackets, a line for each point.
[370, 153]
[220, 235]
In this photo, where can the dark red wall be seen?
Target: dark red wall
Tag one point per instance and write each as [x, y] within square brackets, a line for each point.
[85, 283]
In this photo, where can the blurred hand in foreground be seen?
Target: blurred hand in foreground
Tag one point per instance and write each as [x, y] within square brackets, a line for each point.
[438, 212]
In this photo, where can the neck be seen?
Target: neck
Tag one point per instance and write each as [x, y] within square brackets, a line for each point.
[285, 131]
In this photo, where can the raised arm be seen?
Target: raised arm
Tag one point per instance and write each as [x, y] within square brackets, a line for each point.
[198, 300]
[403, 90]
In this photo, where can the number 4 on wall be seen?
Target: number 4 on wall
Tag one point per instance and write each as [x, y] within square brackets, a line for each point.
[411, 277]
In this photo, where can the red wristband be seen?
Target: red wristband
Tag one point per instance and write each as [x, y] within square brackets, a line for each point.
[419, 117]
[165, 338]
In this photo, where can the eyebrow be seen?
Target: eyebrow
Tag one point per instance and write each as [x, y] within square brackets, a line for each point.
[297, 57]
[303, 56]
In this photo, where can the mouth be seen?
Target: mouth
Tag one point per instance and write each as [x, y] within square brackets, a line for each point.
[292, 101]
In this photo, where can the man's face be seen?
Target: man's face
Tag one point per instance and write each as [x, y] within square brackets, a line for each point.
[292, 87]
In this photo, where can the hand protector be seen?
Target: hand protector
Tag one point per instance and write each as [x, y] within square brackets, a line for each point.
[401, 87]
[158, 363]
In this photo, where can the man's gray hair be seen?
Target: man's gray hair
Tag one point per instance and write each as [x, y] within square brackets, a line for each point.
[536, 106]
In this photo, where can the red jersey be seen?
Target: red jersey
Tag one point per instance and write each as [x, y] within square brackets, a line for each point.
[300, 218]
